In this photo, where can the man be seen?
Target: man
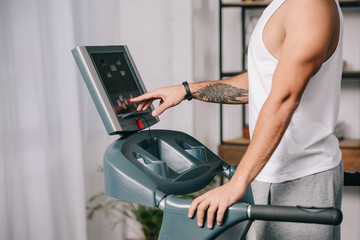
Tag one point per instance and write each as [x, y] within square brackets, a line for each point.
[293, 87]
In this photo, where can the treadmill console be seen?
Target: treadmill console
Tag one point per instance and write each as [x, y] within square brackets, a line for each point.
[112, 79]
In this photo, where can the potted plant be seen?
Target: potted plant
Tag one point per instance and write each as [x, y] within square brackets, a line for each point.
[149, 218]
[246, 133]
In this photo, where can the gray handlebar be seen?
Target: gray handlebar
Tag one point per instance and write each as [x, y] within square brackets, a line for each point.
[330, 216]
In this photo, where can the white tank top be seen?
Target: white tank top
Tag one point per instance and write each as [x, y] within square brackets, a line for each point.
[309, 144]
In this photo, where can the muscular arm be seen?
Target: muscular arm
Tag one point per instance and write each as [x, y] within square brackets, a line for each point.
[233, 90]
[295, 68]
[305, 47]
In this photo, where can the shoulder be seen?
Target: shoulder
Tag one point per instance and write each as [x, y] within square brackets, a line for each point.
[310, 25]
[314, 12]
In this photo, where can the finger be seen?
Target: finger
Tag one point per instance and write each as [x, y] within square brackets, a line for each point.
[200, 213]
[220, 214]
[211, 215]
[141, 105]
[145, 96]
[142, 97]
[193, 207]
[147, 105]
[194, 204]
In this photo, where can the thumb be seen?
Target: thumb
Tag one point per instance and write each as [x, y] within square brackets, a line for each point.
[160, 109]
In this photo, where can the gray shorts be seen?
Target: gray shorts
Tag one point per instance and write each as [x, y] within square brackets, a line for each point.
[322, 189]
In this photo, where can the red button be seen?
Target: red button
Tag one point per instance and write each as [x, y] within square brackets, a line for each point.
[140, 124]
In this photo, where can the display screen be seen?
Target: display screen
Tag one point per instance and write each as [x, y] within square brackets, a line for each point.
[117, 80]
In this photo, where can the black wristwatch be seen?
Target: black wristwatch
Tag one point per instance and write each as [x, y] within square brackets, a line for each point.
[187, 89]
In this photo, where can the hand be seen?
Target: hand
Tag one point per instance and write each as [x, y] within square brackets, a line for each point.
[169, 97]
[217, 201]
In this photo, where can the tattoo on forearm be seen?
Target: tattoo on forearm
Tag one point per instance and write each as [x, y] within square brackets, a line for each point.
[222, 93]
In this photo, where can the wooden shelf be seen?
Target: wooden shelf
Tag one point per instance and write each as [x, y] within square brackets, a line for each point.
[263, 4]
[351, 154]
[230, 74]
[351, 74]
[350, 144]
[345, 74]
[349, 3]
[233, 150]
[238, 141]
[248, 4]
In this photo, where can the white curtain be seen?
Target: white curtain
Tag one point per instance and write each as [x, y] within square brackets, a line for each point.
[51, 137]
[46, 116]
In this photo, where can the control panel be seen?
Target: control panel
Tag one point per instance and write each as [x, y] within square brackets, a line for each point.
[112, 79]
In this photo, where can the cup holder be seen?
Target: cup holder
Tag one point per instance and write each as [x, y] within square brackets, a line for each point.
[170, 159]
[197, 152]
[156, 166]
[161, 151]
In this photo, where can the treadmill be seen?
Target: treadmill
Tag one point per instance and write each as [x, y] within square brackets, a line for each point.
[152, 167]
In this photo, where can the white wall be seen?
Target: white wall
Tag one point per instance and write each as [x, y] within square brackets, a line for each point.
[206, 62]
[351, 213]
[350, 95]
[94, 25]
[159, 36]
